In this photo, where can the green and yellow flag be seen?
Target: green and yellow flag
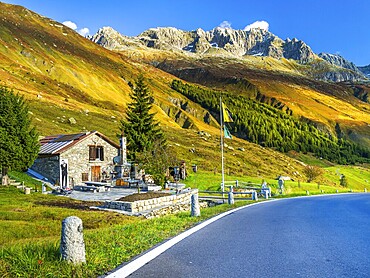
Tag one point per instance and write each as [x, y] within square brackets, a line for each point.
[227, 133]
[226, 114]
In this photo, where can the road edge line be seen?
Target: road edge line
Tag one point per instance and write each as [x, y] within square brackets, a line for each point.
[131, 267]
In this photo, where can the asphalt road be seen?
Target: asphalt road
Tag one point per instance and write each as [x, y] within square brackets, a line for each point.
[325, 236]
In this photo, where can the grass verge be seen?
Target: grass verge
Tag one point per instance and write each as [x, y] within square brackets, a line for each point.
[31, 224]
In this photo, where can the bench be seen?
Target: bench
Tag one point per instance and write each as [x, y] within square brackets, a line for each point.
[100, 186]
[94, 189]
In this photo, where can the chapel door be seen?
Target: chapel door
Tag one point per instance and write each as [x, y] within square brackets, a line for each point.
[95, 173]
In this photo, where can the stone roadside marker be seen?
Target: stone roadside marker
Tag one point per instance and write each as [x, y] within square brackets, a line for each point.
[231, 198]
[72, 245]
[195, 210]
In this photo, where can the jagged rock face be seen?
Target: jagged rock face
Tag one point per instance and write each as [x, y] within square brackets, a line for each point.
[338, 60]
[298, 50]
[339, 76]
[166, 38]
[113, 40]
[365, 70]
[351, 74]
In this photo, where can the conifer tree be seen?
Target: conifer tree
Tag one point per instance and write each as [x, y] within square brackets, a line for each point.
[19, 145]
[140, 127]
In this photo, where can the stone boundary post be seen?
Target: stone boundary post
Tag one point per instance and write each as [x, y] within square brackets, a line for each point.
[72, 245]
[230, 198]
[195, 210]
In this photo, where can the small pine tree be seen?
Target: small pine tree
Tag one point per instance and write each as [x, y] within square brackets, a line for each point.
[139, 127]
[146, 143]
[19, 145]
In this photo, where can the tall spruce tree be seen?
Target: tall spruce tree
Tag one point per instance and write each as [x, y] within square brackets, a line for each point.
[19, 143]
[140, 127]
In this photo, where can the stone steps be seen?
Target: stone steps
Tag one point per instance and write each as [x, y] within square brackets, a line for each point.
[15, 183]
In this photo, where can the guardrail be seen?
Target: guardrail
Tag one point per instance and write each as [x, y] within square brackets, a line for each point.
[249, 189]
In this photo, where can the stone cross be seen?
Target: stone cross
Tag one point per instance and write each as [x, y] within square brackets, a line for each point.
[195, 211]
[72, 245]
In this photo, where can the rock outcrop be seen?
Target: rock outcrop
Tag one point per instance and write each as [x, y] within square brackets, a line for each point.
[347, 70]
[365, 70]
[338, 60]
[113, 40]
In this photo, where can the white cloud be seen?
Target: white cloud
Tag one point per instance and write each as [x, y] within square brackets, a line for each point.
[70, 24]
[84, 32]
[258, 24]
[225, 24]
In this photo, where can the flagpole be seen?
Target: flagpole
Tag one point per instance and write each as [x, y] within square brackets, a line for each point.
[222, 150]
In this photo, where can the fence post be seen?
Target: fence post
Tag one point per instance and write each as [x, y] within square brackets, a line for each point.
[195, 211]
[72, 245]
[254, 196]
[236, 183]
[365, 190]
[266, 194]
[307, 192]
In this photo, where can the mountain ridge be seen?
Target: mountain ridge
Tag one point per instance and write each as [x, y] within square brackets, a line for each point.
[233, 43]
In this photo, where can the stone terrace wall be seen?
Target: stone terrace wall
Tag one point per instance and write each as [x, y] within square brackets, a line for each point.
[152, 204]
[171, 209]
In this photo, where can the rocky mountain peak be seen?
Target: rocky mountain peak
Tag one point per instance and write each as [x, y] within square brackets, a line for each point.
[352, 73]
[298, 50]
[338, 60]
[165, 38]
[112, 39]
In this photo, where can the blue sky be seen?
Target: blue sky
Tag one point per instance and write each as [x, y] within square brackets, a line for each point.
[333, 26]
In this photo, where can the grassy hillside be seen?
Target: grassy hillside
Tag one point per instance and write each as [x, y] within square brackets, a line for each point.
[281, 83]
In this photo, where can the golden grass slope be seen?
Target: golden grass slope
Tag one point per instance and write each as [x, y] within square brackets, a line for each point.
[279, 81]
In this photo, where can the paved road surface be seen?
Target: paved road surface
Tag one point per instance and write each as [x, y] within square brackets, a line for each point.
[325, 236]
